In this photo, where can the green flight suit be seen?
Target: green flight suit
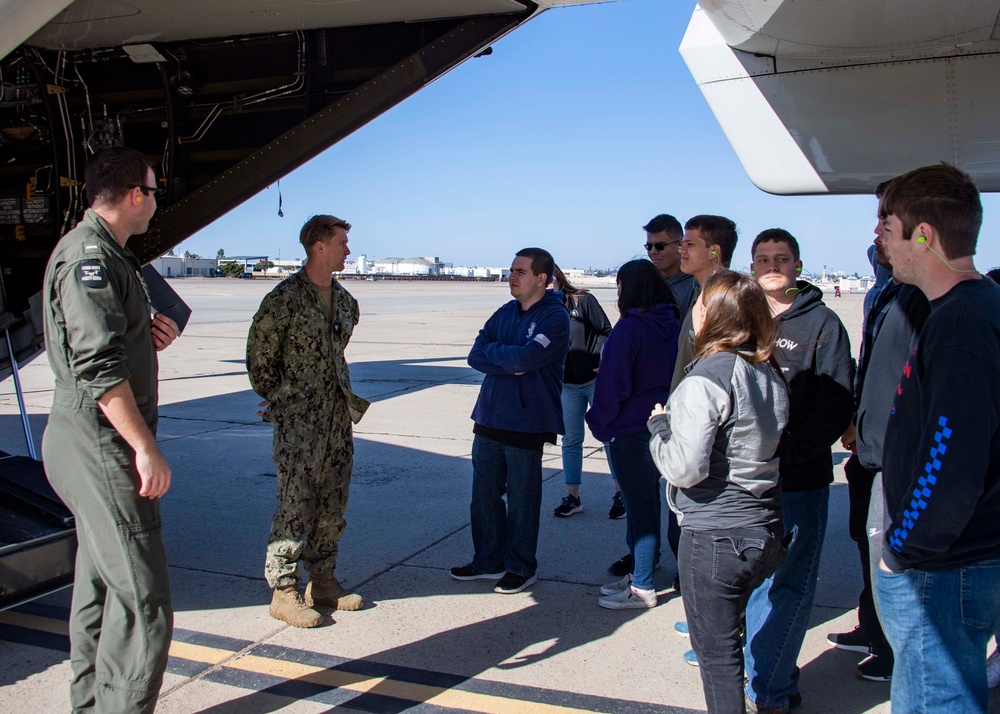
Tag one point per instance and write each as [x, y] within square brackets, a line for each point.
[98, 334]
[295, 360]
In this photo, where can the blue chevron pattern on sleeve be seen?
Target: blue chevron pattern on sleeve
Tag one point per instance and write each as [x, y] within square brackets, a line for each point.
[925, 487]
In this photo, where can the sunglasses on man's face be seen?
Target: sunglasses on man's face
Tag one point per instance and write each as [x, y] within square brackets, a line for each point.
[660, 246]
[146, 190]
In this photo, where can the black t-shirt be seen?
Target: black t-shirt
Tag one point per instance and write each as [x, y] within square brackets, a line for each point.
[517, 439]
[941, 461]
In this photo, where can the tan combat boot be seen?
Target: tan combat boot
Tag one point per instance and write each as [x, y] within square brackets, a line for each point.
[323, 589]
[288, 606]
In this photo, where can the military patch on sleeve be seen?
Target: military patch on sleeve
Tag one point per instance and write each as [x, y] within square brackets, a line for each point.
[279, 310]
[92, 273]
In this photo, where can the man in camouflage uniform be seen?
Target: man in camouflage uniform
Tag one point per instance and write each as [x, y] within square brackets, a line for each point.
[295, 360]
[99, 447]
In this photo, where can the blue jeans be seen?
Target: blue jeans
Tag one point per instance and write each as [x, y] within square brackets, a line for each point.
[575, 400]
[938, 624]
[505, 536]
[719, 569]
[778, 611]
[639, 482]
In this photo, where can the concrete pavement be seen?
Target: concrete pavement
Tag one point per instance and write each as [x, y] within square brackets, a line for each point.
[425, 643]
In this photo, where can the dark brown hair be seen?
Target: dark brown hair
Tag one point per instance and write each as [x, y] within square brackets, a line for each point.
[943, 196]
[716, 230]
[319, 228]
[113, 172]
[665, 223]
[541, 261]
[642, 287]
[737, 319]
[567, 288]
[775, 235]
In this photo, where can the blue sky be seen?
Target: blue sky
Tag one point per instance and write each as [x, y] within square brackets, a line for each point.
[580, 126]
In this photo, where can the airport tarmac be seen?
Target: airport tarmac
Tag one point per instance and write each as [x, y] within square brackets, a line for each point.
[425, 643]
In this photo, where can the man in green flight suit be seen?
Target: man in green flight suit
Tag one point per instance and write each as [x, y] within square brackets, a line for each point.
[295, 360]
[99, 447]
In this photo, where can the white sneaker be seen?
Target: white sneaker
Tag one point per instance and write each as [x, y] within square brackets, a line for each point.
[629, 599]
[617, 586]
[993, 669]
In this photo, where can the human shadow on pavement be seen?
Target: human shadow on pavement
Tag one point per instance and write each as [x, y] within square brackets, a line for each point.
[455, 658]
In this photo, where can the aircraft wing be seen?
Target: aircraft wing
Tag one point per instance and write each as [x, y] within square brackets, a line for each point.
[834, 97]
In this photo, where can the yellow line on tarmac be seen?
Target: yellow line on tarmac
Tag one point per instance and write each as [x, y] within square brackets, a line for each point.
[199, 653]
[35, 622]
[407, 691]
[195, 653]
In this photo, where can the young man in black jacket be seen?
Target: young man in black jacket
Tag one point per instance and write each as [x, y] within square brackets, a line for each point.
[894, 314]
[938, 581]
[814, 353]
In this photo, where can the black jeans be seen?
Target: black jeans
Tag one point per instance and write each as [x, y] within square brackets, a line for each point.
[719, 569]
[859, 489]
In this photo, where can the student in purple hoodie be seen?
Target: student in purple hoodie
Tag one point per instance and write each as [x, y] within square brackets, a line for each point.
[636, 367]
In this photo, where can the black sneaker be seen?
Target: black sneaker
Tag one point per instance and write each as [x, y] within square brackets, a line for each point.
[875, 668]
[854, 641]
[570, 504]
[621, 567]
[511, 583]
[676, 585]
[617, 508]
[468, 572]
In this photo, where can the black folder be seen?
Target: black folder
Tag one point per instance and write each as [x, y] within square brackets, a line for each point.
[163, 298]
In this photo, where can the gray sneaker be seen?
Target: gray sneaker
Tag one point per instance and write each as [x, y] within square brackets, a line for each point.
[630, 599]
[617, 586]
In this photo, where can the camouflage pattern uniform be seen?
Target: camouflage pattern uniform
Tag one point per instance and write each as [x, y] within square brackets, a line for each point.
[295, 360]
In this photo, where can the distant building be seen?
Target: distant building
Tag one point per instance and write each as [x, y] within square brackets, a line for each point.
[176, 266]
[355, 267]
[281, 268]
[169, 266]
[461, 271]
[200, 267]
[856, 285]
[407, 266]
[250, 262]
[498, 273]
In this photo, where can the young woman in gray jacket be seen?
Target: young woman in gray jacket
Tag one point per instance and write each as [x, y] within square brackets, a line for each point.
[716, 442]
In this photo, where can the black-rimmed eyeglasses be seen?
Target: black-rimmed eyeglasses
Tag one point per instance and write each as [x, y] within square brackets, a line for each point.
[660, 246]
[147, 190]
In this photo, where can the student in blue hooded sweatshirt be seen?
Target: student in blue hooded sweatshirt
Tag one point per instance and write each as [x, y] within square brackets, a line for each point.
[521, 350]
[636, 368]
